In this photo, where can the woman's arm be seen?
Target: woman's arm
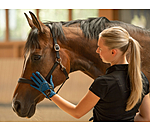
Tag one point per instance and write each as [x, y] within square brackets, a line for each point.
[144, 110]
[77, 111]
[84, 106]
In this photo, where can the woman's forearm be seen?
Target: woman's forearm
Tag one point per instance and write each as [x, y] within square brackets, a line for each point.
[65, 105]
[79, 110]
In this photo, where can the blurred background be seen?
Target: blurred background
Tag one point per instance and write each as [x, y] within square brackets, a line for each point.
[14, 30]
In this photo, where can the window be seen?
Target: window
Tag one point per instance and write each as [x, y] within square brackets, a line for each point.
[18, 25]
[2, 25]
[53, 15]
[84, 13]
[138, 17]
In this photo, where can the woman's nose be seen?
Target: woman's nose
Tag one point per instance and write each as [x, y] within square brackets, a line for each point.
[97, 50]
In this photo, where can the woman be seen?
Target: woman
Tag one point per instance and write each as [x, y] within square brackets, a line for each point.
[122, 94]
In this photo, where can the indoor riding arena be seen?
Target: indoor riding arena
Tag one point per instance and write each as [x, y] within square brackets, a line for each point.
[14, 30]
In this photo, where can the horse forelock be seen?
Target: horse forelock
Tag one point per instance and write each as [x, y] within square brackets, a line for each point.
[32, 42]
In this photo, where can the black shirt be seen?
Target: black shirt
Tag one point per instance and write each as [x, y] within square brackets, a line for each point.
[113, 88]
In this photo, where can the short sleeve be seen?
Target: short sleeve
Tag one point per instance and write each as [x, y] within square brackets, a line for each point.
[99, 87]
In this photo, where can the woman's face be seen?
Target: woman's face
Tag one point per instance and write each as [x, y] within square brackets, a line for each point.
[104, 52]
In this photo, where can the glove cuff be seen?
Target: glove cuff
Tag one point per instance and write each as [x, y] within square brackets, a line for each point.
[52, 94]
[49, 93]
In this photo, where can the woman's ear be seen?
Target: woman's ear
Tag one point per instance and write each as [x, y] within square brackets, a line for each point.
[114, 52]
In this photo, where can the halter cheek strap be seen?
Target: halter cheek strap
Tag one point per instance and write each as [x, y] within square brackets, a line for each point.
[58, 60]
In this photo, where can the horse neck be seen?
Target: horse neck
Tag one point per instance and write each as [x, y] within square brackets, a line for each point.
[142, 37]
[82, 52]
[136, 32]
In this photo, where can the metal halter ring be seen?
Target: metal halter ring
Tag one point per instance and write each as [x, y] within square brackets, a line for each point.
[58, 60]
[56, 47]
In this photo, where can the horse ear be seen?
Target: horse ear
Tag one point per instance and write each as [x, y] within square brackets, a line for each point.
[29, 21]
[36, 22]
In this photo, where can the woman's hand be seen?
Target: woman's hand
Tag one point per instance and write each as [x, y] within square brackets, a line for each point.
[42, 85]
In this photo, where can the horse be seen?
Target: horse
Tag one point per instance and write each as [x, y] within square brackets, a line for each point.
[60, 48]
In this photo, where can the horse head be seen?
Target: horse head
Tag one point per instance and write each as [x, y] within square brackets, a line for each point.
[40, 55]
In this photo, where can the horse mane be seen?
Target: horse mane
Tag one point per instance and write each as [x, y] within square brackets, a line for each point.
[90, 27]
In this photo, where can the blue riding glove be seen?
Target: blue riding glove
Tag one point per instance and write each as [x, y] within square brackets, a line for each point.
[42, 85]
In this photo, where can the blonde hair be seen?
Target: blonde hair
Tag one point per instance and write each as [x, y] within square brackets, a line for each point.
[118, 37]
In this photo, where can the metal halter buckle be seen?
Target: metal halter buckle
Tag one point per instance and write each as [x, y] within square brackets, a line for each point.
[59, 62]
[56, 47]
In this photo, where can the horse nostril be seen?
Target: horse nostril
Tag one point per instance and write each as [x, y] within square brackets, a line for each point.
[16, 106]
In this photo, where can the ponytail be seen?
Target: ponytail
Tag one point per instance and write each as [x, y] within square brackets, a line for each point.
[134, 71]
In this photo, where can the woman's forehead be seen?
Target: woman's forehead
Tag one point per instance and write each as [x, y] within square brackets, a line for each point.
[100, 41]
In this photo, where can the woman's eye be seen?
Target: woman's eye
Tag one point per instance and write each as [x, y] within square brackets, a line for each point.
[36, 57]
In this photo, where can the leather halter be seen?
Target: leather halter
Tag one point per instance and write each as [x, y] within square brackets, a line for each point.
[57, 62]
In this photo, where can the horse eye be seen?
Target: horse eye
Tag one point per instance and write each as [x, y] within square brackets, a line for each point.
[37, 57]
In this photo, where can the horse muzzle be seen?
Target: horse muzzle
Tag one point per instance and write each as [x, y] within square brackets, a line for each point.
[23, 109]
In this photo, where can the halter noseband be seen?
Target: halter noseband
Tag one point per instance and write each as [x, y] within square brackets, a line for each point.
[57, 62]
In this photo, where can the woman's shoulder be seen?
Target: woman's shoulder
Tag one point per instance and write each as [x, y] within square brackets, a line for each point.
[105, 79]
[100, 86]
